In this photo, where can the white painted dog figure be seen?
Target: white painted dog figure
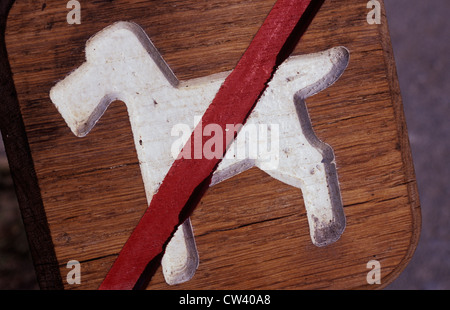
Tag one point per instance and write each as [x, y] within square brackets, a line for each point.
[123, 64]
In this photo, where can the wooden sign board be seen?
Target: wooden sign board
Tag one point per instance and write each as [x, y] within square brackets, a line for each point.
[81, 197]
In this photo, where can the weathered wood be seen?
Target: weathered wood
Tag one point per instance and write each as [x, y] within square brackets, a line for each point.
[251, 230]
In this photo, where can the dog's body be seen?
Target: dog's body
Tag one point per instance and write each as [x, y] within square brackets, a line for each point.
[122, 64]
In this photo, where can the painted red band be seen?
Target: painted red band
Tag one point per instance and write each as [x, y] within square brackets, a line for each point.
[232, 104]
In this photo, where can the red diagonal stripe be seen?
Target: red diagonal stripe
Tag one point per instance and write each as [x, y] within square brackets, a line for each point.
[232, 104]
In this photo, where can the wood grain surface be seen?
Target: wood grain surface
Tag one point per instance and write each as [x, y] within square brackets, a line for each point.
[82, 197]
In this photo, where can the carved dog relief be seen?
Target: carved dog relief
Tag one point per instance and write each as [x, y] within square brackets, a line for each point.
[123, 64]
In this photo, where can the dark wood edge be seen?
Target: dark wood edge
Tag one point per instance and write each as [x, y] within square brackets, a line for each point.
[22, 171]
[410, 176]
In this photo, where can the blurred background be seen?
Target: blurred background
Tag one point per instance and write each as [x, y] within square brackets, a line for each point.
[420, 32]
